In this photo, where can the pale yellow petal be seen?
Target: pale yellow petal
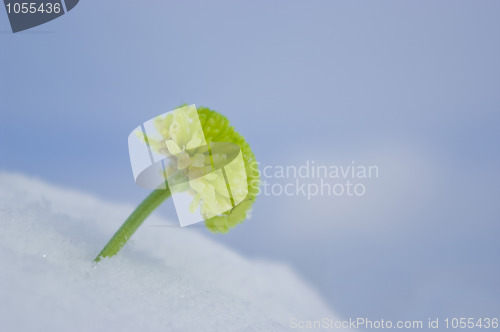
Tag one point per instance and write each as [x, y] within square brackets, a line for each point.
[172, 147]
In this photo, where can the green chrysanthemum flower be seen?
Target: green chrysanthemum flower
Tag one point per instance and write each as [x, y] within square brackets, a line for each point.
[180, 139]
[217, 128]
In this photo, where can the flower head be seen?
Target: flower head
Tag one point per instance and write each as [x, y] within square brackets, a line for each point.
[194, 152]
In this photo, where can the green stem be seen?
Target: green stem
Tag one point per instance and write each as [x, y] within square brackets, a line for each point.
[133, 222]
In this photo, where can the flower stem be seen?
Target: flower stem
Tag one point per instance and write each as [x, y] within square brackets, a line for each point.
[133, 222]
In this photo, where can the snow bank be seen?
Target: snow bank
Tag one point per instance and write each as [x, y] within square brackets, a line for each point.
[165, 279]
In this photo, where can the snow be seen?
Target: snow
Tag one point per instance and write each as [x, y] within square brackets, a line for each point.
[165, 279]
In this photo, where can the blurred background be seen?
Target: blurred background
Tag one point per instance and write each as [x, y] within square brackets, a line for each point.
[412, 87]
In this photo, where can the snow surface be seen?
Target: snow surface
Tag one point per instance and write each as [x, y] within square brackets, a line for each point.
[165, 279]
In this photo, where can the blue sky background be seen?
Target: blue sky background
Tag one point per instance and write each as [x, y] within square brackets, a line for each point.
[411, 86]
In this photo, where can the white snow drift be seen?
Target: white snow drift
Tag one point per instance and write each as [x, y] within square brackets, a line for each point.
[165, 279]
